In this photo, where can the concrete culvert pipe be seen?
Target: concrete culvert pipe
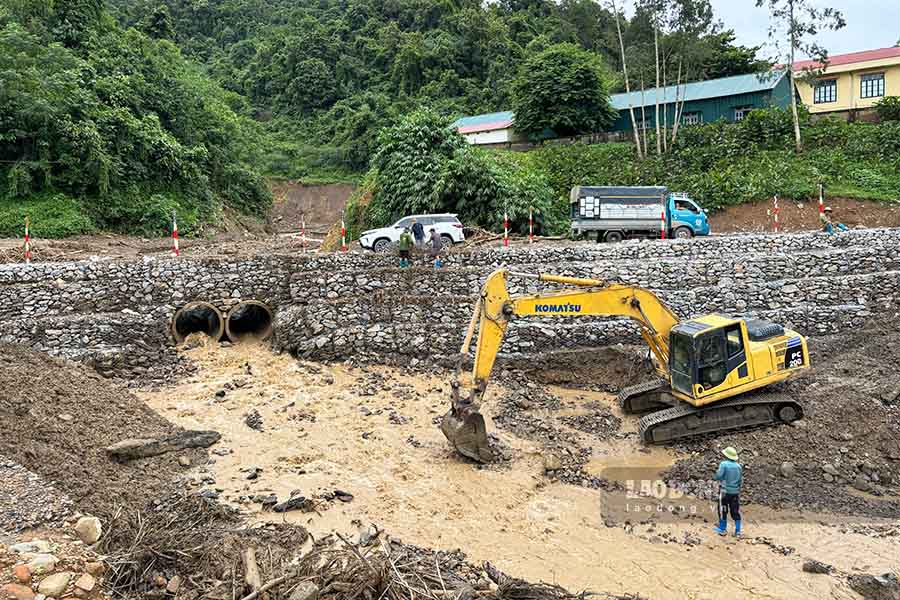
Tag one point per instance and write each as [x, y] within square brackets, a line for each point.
[249, 320]
[198, 317]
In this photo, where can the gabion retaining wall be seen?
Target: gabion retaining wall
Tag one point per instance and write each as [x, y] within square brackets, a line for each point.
[116, 314]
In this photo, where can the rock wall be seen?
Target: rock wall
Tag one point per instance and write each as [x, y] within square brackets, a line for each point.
[117, 314]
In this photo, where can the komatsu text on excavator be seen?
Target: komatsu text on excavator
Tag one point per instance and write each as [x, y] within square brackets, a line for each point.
[706, 365]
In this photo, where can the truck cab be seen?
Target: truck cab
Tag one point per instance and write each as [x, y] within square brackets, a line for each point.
[686, 218]
[613, 214]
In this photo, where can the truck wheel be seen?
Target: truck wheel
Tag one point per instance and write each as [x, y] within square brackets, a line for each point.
[684, 233]
[614, 236]
[382, 245]
[446, 241]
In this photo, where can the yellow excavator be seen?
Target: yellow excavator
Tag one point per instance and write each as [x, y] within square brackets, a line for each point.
[705, 365]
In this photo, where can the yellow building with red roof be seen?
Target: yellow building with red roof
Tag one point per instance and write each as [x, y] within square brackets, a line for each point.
[850, 84]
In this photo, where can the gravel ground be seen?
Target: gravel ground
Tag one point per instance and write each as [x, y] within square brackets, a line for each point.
[27, 501]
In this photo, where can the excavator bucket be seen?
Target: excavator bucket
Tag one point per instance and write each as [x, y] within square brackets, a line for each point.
[464, 427]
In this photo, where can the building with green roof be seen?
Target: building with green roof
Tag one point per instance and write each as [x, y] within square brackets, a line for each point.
[729, 98]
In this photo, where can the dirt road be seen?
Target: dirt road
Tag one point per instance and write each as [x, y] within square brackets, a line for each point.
[371, 432]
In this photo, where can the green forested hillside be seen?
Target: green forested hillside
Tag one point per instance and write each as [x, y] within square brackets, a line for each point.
[103, 127]
[114, 113]
[324, 76]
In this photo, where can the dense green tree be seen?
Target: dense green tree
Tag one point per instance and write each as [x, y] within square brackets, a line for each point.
[74, 21]
[159, 25]
[456, 56]
[722, 58]
[564, 89]
[423, 165]
[117, 122]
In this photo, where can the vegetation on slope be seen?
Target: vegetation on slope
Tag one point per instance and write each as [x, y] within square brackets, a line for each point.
[105, 128]
[423, 166]
[324, 77]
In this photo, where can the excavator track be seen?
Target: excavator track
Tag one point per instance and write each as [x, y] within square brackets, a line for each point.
[738, 413]
[643, 397]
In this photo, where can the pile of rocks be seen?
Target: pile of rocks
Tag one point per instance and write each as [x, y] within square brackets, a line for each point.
[28, 501]
[64, 567]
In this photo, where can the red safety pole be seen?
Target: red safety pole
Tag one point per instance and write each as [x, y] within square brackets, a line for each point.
[27, 240]
[176, 251]
[821, 198]
[343, 233]
[505, 229]
[530, 224]
[662, 224]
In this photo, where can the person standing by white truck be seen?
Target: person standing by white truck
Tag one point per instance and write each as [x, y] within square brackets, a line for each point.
[617, 213]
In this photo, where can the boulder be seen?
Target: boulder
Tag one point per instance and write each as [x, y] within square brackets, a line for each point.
[876, 587]
[305, 590]
[814, 566]
[15, 591]
[22, 573]
[34, 547]
[89, 529]
[54, 585]
[861, 484]
[552, 462]
[42, 563]
[86, 582]
[788, 470]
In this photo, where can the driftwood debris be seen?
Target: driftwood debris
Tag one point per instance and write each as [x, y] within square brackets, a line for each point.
[252, 578]
[131, 449]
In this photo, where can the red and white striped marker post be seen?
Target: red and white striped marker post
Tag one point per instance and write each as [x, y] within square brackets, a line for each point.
[505, 229]
[775, 215]
[176, 251]
[27, 240]
[530, 224]
[821, 199]
[343, 233]
[662, 224]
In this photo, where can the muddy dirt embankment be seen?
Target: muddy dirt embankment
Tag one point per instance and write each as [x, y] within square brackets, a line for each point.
[319, 205]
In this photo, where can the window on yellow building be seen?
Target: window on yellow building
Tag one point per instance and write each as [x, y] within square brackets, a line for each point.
[825, 91]
[872, 85]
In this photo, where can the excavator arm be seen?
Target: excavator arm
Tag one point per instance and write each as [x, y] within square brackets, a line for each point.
[464, 425]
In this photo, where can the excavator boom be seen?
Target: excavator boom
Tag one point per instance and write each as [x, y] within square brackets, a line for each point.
[464, 425]
[715, 358]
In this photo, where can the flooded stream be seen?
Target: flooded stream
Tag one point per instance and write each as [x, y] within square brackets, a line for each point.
[371, 432]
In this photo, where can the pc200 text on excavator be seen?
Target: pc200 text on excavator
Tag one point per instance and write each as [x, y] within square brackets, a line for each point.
[707, 366]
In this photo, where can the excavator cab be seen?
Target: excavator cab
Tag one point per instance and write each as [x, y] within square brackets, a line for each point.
[714, 357]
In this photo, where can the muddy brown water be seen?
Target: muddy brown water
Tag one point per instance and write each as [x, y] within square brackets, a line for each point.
[405, 479]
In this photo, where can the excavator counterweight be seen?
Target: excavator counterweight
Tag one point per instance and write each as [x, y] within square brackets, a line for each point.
[706, 367]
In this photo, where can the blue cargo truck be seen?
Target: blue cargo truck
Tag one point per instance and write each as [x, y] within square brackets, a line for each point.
[617, 213]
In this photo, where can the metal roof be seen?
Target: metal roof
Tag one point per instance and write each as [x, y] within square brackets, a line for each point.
[852, 58]
[702, 90]
[486, 122]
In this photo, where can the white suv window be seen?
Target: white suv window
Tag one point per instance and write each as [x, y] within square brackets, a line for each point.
[407, 222]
